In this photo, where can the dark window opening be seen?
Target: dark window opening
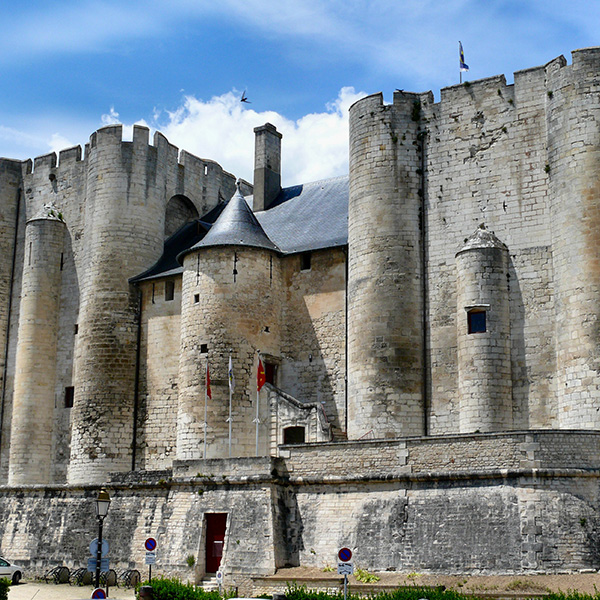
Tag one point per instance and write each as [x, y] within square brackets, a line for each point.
[69, 395]
[76, 329]
[476, 321]
[203, 348]
[293, 435]
[305, 261]
[196, 298]
[270, 372]
[169, 290]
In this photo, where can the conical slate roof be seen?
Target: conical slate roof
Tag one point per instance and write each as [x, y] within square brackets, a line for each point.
[236, 226]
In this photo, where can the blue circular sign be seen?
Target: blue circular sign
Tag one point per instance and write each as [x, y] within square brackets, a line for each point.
[345, 554]
[98, 593]
[150, 544]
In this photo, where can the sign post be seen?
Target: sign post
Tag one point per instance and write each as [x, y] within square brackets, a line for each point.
[220, 580]
[150, 545]
[345, 567]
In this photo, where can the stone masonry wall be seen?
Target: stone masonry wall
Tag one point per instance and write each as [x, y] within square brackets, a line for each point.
[485, 164]
[313, 344]
[10, 199]
[159, 370]
[514, 515]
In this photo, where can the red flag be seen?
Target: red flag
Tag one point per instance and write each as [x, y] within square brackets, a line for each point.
[208, 392]
[261, 378]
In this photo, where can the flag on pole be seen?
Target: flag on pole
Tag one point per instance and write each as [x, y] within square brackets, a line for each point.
[261, 377]
[461, 57]
[231, 378]
[208, 391]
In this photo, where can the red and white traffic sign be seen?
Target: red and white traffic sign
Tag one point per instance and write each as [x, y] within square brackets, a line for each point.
[345, 554]
[98, 593]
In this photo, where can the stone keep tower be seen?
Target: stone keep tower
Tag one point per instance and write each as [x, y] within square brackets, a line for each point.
[231, 301]
[483, 332]
[385, 295]
[573, 124]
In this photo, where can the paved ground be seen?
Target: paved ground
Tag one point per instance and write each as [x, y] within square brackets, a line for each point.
[505, 585]
[29, 590]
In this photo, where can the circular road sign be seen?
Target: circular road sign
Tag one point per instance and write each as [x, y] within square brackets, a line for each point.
[219, 575]
[150, 544]
[345, 554]
[98, 593]
[94, 548]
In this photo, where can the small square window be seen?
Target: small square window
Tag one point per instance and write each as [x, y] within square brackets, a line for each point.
[203, 348]
[476, 321]
[169, 290]
[305, 259]
[69, 395]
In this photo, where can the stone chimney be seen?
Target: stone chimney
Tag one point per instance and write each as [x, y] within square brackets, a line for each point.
[267, 166]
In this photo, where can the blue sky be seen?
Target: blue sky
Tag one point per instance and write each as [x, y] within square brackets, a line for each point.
[71, 66]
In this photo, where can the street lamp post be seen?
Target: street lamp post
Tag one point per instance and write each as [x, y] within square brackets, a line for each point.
[102, 504]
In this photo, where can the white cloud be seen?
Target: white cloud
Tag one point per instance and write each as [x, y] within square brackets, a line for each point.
[313, 147]
[59, 142]
[110, 118]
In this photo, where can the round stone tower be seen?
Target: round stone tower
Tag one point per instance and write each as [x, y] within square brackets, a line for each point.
[483, 332]
[35, 370]
[124, 218]
[573, 129]
[385, 297]
[231, 306]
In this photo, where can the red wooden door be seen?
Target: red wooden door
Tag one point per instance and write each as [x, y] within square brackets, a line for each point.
[216, 524]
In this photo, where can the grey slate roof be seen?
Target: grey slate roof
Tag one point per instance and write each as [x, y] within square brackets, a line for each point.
[236, 226]
[304, 217]
[308, 217]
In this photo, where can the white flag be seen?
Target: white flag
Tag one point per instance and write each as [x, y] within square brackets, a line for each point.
[231, 378]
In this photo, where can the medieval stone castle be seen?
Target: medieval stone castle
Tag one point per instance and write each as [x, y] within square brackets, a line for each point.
[429, 327]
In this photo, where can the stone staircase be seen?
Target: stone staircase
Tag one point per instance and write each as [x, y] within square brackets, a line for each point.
[209, 583]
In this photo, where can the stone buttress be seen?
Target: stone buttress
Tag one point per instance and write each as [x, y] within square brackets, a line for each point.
[385, 297]
[231, 306]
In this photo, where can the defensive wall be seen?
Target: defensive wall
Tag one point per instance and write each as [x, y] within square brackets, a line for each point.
[472, 503]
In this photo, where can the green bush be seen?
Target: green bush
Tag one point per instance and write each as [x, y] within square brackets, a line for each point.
[295, 592]
[4, 585]
[173, 589]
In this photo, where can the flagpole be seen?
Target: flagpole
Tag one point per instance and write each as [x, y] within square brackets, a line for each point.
[206, 405]
[257, 400]
[230, 376]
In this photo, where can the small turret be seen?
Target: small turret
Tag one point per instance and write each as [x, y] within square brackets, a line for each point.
[483, 331]
[35, 372]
